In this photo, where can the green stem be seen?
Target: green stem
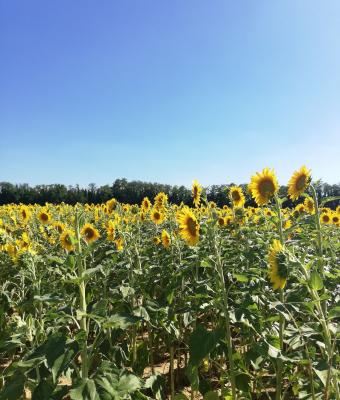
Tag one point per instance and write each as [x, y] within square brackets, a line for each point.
[227, 320]
[279, 373]
[82, 301]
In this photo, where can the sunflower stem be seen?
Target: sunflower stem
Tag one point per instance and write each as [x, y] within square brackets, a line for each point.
[281, 321]
[219, 266]
[82, 300]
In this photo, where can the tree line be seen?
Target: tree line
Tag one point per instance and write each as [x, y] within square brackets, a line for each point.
[133, 192]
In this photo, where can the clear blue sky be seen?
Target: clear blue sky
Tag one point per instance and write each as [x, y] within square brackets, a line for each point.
[168, 91]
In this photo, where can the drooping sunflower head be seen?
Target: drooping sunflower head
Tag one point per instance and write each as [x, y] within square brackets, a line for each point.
[299, 182]
[196, 193]
[67, 240]
[44, 217]
[90, 233]
[146, 204]
[157, 216]
[236, 196]
[309, 205]
[111, 205]
[278, 269]
[165, 239]
[188, 226]
[263, 186]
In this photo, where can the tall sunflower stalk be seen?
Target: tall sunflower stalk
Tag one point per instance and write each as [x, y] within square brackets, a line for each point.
[222, 286]
[81, 267]
[282, 299]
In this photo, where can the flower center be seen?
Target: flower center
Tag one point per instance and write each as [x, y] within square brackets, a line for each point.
[266, 187]
[301, 182]
[192, 226]
[236, 195]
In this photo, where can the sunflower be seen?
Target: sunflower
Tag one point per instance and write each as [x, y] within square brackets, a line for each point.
[300, 208]
[59, 226]
[157, 216]
[263, 186]
[90, 232]
[299, 182]
[278, 272]
[110, 230]
[196, 193]
[44, 217]
[111, 205]
[146, 204]
[165, 239]
[25, 213]
[309, 205]
[336, 218]
[160, 200]
[156, 240]
[325, 218]
[236, 196]
[66, 240]
[188, 226]
[221, 222]
[119, 244]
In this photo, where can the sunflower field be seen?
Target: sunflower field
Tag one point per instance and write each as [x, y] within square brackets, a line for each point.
[159, 301]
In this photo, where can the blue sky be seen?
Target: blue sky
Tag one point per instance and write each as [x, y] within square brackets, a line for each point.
[168, 91]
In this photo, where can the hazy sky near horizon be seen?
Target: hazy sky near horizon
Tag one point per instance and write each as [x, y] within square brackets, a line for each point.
[168, 91]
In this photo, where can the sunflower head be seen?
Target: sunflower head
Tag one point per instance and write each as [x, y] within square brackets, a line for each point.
[111, 205]
[90, 233]
[336, 218]
[161, 200]
[44, 217]
[146, 204]
[196, 193]
[188, 226]
[157, 216]
[67, 240]
[325, 218]
[236, 196]
[278, 269]
[25, 213]
[59, 227]
[119, 244]
[165, 239]
[156, 240]
[263, 186]
[299, 182]
[309, 205]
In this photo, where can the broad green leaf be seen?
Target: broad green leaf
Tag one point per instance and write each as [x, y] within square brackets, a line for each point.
[85, 389]
[315, 281]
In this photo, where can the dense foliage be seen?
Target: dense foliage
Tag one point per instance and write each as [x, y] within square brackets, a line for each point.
[153, 301]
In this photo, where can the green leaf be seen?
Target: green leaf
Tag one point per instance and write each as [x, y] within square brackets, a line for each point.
[211, 396]
[241, 278]
[121, 321]
[157, 384]
[315, 281]
[85, 389]
[242, 382]
[14, 387]
[180, 396]
[202, 342]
